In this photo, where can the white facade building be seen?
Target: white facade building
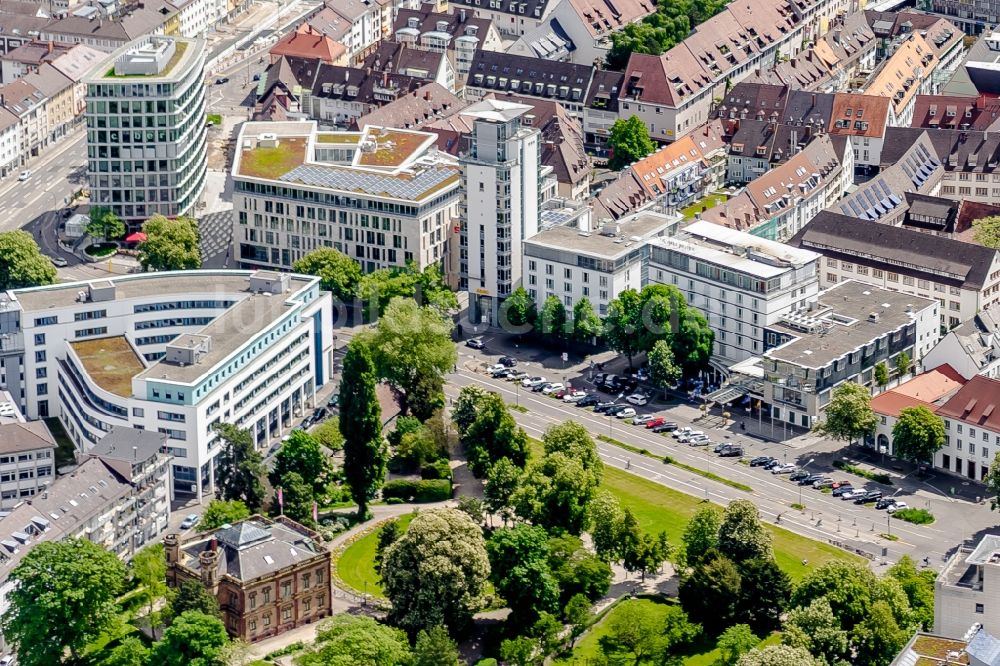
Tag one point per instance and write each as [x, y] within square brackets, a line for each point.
[27, 455]
[965, 590]
[382, 196]
[146, 129]
[741, 283]
[172, 353]
[500, 203]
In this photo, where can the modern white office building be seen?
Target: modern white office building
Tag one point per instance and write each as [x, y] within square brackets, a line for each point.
[500, 202]
[146, 128]
[740, 282]
[381, 196]
[173, 353]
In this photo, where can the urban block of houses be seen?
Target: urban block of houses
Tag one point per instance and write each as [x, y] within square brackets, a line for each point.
[27, 455]
[307, 42]
[972, 347]
[930, 389]
[562, 82]
[964, 597]
[459, 35]
[908, 71]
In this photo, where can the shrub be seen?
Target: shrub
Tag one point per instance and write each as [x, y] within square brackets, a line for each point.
[425, 490]
[877, 477]
[439, 469]
[915, 516]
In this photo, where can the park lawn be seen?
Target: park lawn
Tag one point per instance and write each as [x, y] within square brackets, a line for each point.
[659, 508]
[356, 565]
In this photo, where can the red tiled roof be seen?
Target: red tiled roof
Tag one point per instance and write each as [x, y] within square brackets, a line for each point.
[308, 43]
[976, 402]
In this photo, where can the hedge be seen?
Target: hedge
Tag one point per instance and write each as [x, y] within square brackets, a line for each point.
[439, 469]
[424, 490]
[877, 477]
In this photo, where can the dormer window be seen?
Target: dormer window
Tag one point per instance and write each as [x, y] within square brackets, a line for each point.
[412, 22]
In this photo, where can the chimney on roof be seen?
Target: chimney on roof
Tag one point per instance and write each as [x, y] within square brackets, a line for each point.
[813, 101]
[427, 95]
[461, 15]
[50, 46]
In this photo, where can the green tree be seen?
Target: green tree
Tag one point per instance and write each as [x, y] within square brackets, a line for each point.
[170, 245]
[63, 595]
[297, 499]
[222, 512]
[849, 415]
[711, 592]
[606, 524]
[986, 231]
[778, 655]
[502, 482]
[881, 374]
[473, 507]
[519, 651]
[663, 371]
[628, 141]
[338, 273]
[520, 572]
[426, 395]
[240, 467]
[917, 434]
[494, 435]
[903, 363]
[735, 642]
[518, 312]
[764, 593]
[742, 536]
[575, 441]
[992, 482]
[640, 551]
[436, 572]
[388, 534]
[361, 425]
[555, 493]
[577, 570]
[191, 595]
[410, 344]
[553, 324]
[193, 639]
[586, 324]
[878, 638]
[434, 647]
[427, 287]
[848, 587]
[467, 407]
[547, 631]
[815, 628]
[577, 615]
[638, 635]
[918, 585]
[328, 434]
[21, 263]
[148, 571]
[701, 534]
[130, 652]
[349, 640]
[104, 224]
[623, 324]
[302, 455]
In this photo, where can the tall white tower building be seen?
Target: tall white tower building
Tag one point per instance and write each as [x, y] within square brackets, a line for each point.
[146, 149]
[500, 202]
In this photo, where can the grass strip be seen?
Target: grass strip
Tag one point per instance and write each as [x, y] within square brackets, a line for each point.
[667, 460]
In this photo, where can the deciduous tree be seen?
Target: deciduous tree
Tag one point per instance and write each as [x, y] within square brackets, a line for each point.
[986, 231]
[903, 363]
[628, 141]
[556, 491]
[742, 536]
[427, 287]
[21, 262]
[434, 647]
[878, 638]
[356, 639]
[849, 415]
[606, 524]
[104, 224]
[170, 245]
[847, 586]
[701, 534]
[191, 595]
[778, 655]
[586, 324]
[436, 573]
[577, 615]
[576, 569]
[130, 652]
[663, 371]
[816, 629]
[361, 425]
[518, 312]
[297, 499]
[502, 481]
[917, 434]
[193, 639]
[520, 572]
[466, 410]
[623, 324]
[328, 434]
[553, 324]
[301, 454]
[338, 273]
[388, 534]
[222, 512]
[711, 592]
[764, 593]
[148, 570]
[918, 585]
[881, 374]
[494, 435]
[239, 467]
[735, 642]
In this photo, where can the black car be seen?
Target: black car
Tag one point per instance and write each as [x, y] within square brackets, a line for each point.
[760, 461]
[870, 496]
[798, 475]
[508, 361]
[840, 490]
[884, 503]
[771, 465]
[613, 411]
[731, 451]
[537, 388]
[590, 400]
[811, 479]
[599, 377]
[665, 427]
[222, 79]
[602, 407]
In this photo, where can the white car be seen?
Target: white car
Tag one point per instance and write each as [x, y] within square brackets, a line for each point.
[552, 388]
[24, 175]
[494, 369]
[682, 432]
[529, 382]
[190, 521]
[58, 262]
[898, 506]
[626, 413]
[787, 468]
[637, 399]
[645, 418]
[688, 436]
[574, 396]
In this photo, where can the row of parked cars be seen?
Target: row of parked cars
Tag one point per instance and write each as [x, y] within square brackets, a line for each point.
[845, 490]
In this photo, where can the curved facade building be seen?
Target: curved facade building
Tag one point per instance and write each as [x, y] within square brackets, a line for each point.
[172, 352]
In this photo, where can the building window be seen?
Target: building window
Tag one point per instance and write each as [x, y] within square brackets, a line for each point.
[253, 600]
[253, 625]
[286, 589]
[267, 620]
[306, 604]
[39, 339]
[267, 595]
[286, 614]
[980, 608]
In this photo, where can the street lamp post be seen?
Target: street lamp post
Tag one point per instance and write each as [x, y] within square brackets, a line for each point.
[800, 485]
[888, 524]
[611, 416]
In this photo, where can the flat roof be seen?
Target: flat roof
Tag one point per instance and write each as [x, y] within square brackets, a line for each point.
[110, 362]
[618, 242]
[273, 161]
[854, 302]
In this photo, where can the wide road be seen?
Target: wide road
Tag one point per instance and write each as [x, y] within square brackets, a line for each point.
[56, 174]
[825, 517]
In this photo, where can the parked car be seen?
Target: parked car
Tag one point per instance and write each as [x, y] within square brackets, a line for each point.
[599, 377]
[810, 479]
[59, 262]
[496, 369]
[605, 407]
[626, 413]
[334, 401]
[508, 361]
[573, 396]
[589, 400]
[665, 427]
[643, 419]
[760, 461]
[680, 432]
[840, 490]
[870, 496]
[884, 503]
[638, 399]
[222, 79]
[189, 521]
[619, 407]
[799, 475]
[610, 380]
[786, 468]
[825, 482]
[852, 494]
[837, 484]
[721, 445]
[689, 435]
[699, 440]
[553, 387]
[517, 376]
[654, 421]
[475, 343]
[24, 175]
[771, 465]
[538, 388]
[642, 374]
[731, 451]
[561, 393]
[898, 506]
[531, 382]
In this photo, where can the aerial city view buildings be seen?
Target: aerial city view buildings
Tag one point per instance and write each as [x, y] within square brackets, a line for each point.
[427, 333]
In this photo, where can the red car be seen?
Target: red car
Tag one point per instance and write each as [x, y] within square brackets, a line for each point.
[652, 423]
[561, 393]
